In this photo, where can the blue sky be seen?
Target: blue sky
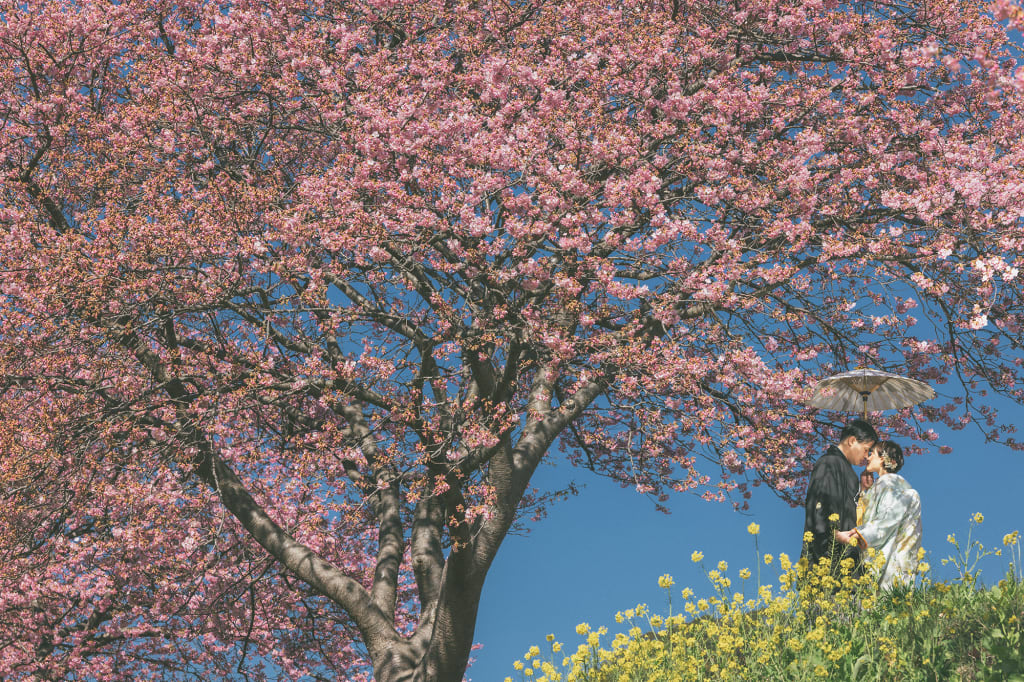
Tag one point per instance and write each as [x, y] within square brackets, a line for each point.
[603, 551]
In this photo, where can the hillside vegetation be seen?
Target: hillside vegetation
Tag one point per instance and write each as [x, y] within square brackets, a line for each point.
[809, 626]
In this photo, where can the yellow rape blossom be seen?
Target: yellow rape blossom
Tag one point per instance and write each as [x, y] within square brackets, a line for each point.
[801, 621]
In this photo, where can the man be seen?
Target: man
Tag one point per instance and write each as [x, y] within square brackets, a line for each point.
[832, 490]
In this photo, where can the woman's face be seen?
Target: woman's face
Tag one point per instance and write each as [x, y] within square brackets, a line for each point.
[874, 464]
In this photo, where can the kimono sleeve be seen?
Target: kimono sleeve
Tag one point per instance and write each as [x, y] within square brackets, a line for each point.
[886, 509]
[826, 493]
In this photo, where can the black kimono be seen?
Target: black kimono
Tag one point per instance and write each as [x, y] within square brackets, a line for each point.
[832, 489]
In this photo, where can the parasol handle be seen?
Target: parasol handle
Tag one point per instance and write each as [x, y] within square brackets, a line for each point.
[865, 395]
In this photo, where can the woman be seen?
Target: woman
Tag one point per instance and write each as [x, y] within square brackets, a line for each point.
[892, 517]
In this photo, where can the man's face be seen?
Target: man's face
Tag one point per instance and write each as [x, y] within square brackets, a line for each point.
[857, 452]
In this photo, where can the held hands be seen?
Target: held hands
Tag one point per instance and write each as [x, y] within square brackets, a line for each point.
[850, 537]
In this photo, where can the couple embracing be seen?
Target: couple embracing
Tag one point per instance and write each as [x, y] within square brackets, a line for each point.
[891, 522]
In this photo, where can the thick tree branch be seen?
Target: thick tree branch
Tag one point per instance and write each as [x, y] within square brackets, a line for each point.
[427, 553]
[375, 623]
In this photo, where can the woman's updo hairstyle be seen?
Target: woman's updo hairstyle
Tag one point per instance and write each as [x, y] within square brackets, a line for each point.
[891, 454]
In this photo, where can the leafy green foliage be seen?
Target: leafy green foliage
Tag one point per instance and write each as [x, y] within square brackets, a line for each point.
[813, 626]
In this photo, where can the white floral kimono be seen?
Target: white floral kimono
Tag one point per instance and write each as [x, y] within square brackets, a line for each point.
[892, 526]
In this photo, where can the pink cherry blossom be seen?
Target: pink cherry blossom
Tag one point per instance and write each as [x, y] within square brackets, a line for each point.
[296, 297]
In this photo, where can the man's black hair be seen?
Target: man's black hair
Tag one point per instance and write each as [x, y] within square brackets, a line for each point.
[861, 431]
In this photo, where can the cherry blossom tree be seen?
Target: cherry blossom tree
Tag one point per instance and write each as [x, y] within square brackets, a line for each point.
[297, 296]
